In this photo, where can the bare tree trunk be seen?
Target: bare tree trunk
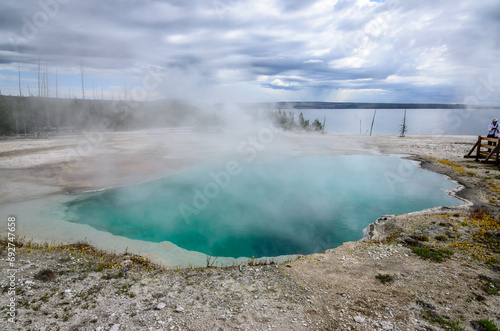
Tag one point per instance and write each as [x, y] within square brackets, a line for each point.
[83, 88]
[15, 111]
[46, 96]
[57, 87]
[68, 121]
[58, 113]
[403, 130]
[373, 121]
[19, 101]
[39, 90]
[37, 115]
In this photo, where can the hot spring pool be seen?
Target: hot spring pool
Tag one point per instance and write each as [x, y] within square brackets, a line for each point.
[301, 205]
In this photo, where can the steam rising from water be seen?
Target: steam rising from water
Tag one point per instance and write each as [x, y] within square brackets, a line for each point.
[294, 205]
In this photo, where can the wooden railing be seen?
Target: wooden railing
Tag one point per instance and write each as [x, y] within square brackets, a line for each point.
[490, 154]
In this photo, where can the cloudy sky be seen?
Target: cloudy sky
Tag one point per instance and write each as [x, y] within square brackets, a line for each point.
[445, 51]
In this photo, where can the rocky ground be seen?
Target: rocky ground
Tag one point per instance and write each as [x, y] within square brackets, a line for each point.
[430, 270]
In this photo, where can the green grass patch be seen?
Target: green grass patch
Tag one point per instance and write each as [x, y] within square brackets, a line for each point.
[443, 321]
[421, 237]
[484, 324]
[433, 254]
[125, 290]
[384, 278]
[490, 285]
[441, 237]
[424, 304]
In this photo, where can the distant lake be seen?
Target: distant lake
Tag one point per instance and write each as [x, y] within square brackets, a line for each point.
[388, 121]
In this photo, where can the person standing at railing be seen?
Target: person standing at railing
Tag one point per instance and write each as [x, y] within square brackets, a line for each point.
[493, 132]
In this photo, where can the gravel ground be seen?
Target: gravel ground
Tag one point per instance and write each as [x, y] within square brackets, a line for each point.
[430, 270]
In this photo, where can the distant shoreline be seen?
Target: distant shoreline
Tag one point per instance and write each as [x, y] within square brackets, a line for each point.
[369, 105]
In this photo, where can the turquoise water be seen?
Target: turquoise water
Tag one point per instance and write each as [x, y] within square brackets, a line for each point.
[301, 205]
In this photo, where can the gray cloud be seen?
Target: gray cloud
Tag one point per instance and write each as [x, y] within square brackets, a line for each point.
[425, 51]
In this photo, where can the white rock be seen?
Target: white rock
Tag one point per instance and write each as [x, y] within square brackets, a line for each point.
[359, 319]
[386, 325]
[161, 305]
[179, 309]
[115, 327]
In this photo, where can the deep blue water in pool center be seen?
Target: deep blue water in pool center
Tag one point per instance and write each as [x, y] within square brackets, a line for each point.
[299, 205]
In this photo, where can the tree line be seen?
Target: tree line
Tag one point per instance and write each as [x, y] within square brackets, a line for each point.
[41, 117]
[287, 122]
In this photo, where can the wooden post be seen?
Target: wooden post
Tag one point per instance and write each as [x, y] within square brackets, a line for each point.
[478, 148]
[498, 142]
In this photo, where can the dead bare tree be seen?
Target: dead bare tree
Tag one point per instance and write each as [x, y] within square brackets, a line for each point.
[36, 112]
[15, 117]
[46, 96]
[57, 105]
[373, 121]
[57, 87]
[404, 128]
[81, 73]
[20, 101]
[39, 90]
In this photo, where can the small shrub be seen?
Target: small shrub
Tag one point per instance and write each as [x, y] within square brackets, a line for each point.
[384, 278]
[443, 321]
[485, 324]
[421, 237]
[45, 275]
[490, 285]
[425, 305]
[479, 214]
[433, 254]
[441, 237]
[491, 260]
